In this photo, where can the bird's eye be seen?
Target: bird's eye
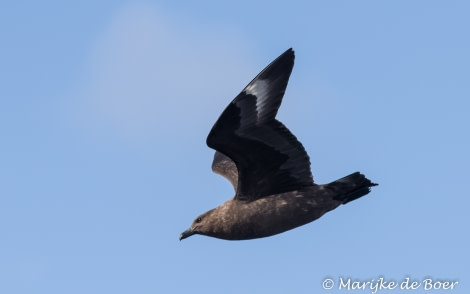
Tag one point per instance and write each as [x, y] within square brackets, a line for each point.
[198, 220]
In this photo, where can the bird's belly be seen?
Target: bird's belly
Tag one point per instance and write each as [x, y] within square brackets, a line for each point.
[278, 213]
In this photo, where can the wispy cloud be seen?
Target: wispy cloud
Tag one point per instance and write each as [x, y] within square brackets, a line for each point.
[153, 71]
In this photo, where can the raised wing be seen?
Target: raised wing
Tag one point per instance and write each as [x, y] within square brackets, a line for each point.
[269, 158]
[225, 167]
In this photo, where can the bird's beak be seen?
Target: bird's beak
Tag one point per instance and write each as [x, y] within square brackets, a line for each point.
[189, 232]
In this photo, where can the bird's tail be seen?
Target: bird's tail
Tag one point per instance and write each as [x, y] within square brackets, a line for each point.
[351, 187]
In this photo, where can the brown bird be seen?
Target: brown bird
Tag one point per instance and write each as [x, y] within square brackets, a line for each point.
[267, 166]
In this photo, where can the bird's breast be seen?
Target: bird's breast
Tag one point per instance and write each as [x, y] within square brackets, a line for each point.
[274, 214]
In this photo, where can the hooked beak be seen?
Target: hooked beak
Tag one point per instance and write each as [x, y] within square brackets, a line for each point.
[189, 232]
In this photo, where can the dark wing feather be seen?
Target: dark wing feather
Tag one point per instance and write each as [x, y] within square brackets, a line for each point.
[269, 158]
[225, 167]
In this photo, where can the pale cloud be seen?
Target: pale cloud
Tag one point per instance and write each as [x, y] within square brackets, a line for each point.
[150, 71]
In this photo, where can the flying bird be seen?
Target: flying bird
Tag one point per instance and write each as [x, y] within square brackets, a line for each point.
[267, 166]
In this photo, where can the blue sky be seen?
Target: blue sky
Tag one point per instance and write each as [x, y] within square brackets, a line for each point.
[106, 105]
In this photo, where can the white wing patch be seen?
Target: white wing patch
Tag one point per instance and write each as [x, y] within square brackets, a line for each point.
[260, 89]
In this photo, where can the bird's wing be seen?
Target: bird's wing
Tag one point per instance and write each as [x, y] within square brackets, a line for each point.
[269, 158]
[225, 167]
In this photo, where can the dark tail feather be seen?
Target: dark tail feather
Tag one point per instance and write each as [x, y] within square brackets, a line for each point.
[351, 187]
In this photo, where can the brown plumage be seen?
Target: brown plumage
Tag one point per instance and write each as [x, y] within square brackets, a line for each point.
[267, 166]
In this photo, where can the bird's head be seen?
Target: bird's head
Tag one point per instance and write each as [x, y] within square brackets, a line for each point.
[201, 225]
